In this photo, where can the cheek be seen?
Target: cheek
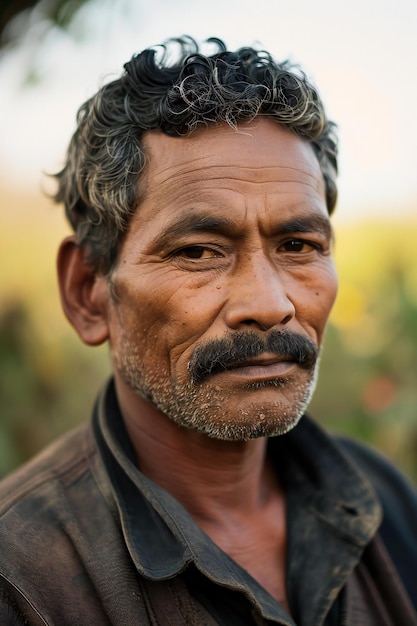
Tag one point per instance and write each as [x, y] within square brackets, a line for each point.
[332, 286]
[193, 316]
[323, 312]
[136, 320]
[325, 290]
[315, 299]
[165, 321]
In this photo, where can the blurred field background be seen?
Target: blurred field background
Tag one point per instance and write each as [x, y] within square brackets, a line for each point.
[368, 381]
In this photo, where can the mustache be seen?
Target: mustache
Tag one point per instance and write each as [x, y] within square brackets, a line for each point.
[219, 355]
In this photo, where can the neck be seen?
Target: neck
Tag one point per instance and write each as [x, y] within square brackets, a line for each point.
[228, 487]
[209, 477]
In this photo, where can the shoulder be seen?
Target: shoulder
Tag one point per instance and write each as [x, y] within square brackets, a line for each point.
[393, 488]
[51, 510]
[61, 462]
[37, 499]
[398, 497]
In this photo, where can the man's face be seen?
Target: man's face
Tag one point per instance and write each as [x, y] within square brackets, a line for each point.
[225, 281]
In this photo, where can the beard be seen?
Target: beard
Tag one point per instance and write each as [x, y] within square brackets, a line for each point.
[235, 412]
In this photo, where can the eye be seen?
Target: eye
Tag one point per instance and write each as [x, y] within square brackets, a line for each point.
[197, 252]
[299, 245]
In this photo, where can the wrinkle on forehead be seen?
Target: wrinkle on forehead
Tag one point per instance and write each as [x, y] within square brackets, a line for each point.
[269, 147]
[262, 173]
[221, 170]
[227, 183]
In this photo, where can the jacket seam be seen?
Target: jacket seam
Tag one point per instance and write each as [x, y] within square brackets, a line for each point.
[25, 598]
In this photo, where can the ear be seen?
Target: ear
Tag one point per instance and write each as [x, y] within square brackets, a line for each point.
[84, 293]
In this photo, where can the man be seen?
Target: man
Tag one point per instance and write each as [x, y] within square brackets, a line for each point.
[200, 191]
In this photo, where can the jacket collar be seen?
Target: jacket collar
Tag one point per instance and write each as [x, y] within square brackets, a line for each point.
[333, 514]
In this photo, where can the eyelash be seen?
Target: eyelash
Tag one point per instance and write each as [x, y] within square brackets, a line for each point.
[302, 242]
[201, 249]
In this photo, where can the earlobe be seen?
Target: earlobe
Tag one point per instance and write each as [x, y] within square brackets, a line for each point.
[84, 293]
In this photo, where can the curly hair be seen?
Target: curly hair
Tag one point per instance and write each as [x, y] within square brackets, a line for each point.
[100, 184]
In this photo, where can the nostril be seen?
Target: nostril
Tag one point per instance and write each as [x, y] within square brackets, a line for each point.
[250, 322]
[259, 325]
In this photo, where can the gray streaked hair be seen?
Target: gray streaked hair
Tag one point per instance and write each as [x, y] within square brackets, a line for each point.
[100, 183]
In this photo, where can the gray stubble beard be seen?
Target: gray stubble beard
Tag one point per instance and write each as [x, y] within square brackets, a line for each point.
[201, 407]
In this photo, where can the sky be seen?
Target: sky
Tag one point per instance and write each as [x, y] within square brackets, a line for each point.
[361, 54]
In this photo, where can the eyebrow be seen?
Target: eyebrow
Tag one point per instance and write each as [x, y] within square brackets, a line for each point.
[307, 224]
[192, 222]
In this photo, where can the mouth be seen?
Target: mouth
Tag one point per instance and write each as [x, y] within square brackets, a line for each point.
[264, 360]
[247, 356]
[263, 368]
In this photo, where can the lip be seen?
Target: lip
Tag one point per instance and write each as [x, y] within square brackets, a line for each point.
[259, 369]
[262, 360]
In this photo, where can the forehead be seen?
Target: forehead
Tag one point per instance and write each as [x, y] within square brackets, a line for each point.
[220, 168]
[253, 148]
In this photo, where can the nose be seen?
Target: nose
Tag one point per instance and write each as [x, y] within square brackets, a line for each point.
[258, 296]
